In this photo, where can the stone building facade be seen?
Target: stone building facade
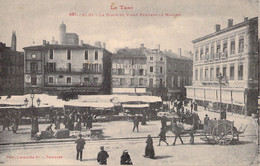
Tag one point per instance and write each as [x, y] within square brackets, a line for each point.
[227, 59]
[11, 69]
[67, 69]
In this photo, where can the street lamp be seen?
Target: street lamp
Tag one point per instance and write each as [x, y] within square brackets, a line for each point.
[34, 119]
[222, 113]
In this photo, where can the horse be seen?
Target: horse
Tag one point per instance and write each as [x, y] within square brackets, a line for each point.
[179, 131]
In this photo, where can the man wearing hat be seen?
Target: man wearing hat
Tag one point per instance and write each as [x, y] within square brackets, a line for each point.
[125, 158]
[80, 146]
[102, 156]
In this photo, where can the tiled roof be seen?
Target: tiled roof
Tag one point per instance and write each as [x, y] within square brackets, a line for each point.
[176, 56]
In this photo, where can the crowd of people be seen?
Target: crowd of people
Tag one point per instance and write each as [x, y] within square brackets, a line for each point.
[11, 122]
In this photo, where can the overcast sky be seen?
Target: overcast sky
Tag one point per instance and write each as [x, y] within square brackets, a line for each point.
[35, 20]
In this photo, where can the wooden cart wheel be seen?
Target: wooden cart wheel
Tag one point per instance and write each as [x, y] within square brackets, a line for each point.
[223, 133]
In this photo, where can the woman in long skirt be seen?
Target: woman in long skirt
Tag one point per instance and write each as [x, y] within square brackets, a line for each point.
[149, 150]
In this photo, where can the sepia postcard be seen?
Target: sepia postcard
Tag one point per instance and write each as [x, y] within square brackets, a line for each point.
[129, 82]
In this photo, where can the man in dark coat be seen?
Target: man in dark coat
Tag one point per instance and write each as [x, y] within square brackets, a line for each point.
[164, 121]
[89, 121]
[6, 123]
[125, 158]
[80, 146]
[162, 136]
[102, 156]
[136, 123]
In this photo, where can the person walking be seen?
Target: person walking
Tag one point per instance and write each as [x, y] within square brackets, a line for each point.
[57, 121]
[80, 146]
[164, 120]
[162, 136]
[125, 158]
[102, 156]
[78, 125]
[136, 123]
[89, 122]
[149, 150]
[6, 123]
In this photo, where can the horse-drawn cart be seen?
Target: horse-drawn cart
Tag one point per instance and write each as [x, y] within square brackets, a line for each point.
[215, 131]
[221, 132]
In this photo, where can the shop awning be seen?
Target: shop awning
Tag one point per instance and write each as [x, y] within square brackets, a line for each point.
[135, 105]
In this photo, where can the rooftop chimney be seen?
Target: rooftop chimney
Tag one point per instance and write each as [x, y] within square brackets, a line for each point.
[53, 40]
[230, 23]
[245, 18]
[13, 43]
[81, 42]
[179, 51]
[104, 45]
[217, 27]
[44, 42]
[142, 45]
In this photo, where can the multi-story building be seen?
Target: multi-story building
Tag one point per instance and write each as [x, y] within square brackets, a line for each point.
[178, 74]
[149, 71]
[227, 59]
[67, 69]
[129, 71]
[11, 69]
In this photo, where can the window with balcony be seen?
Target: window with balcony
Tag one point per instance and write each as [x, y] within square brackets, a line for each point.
[51, 54]
[141, 81]
[201, 74]
[86, 80]
[232, 72]
[86, 54]
[151, 58]
[201, 54]
[68, 54]
[211, 73]
[50, 80]
[34, 67]
[51, 67]
[69, 80]
[95, 80]
[151, 69]
[161, 59]
[33, 80]
[96, 55]
[212, 52]
[121, 81]
[217, 71]
[196, 55]
[241, 45]
[224, 54]
[196, 74]
[232, 47]
[161, 82]
[206, 53]
[161, 69]
[120, 72]
[132, 81]
[224, 73]
[218, 51]
[240, 72]
[141, 72]
[206, 74]
[96, 69]
[68, 67]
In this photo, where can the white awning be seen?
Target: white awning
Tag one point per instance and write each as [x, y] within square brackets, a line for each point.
[135, 105]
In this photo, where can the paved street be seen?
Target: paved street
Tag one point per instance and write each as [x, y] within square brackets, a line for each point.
[244, 153]
[64, 153]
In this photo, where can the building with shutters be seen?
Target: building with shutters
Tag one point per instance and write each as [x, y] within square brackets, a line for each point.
[67, 69]
[149, 71]
[11, 69]
[231, 52]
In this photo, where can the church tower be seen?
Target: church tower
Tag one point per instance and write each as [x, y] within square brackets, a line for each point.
[13, 42]
[62, 33]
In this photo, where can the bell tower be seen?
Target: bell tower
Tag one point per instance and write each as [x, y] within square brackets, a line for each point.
[62, 33]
